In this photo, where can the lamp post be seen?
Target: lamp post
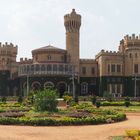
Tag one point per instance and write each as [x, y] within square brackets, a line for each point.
[27, 84]
[73, 85]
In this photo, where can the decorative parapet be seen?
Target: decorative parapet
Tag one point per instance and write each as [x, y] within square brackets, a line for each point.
[103, 52]
[8, 48]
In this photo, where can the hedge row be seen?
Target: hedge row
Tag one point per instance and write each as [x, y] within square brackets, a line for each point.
[62, 121]
[106, 103]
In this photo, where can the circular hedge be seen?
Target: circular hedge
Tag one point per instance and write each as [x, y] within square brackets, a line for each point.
[62, 121]
[83, 114]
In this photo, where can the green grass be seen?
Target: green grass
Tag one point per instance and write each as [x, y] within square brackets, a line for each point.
[123, 108]
[117, 138]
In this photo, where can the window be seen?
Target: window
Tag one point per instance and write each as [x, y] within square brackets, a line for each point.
[93, 71]
[48, 85]
[130, 55]
[49, 67]
[84, 70]
[113, 68]
[55, 67]
[136, 55]
[118, 68]
[113, 88]
[84, 88]
[36, 57]
[37, 68]
[62, 58]
[42, 67]
[66, 67]
[108, 68]
[136, 68]
[49, 57]
[118, 88]
[61, 68]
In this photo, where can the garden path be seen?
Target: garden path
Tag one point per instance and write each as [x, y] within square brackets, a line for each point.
[91, 132]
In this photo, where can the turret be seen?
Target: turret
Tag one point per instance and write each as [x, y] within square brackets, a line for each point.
[72, 24]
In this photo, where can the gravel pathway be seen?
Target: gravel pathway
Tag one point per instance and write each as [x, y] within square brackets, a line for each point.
[95, 132]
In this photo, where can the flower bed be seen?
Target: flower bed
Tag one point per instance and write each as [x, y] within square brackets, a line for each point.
[84, 114]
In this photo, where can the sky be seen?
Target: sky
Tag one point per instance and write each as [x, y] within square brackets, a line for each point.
[32, 24]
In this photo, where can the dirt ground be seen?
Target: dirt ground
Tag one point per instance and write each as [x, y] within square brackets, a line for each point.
[95, 132]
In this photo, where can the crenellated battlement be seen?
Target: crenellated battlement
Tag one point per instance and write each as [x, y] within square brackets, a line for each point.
[103, 52]
[25, 60]
[133, 37]
[129, 43]
[8, 48]
[6, 44]
[72, 21]
[73, 16]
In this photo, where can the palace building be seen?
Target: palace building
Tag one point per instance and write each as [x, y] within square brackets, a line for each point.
[115, 72]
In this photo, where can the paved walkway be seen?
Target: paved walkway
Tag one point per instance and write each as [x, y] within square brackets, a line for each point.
[96, 132]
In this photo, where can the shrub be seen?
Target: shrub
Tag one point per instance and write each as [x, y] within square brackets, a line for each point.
[108, 96]
[67, 98]
[20, 99]
[98, 104]
[127, 99]
[137, 138]
[45, 100]
[132, 133]
[106, 103]
[83, 106]
[127, 103]
[93, 100]
[12, 114]
[59, 122]
[3, 99]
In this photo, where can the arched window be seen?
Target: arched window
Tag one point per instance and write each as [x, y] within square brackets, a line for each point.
[36, 85]
[49, 57]
[48, 85]
[84, 88]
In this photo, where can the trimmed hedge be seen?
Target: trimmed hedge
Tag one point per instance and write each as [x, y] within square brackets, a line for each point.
[62, 121]
[106, 103]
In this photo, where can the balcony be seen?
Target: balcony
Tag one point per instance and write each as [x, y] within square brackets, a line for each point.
[45, 69]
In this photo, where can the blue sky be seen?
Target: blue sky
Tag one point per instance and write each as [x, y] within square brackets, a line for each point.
[33, 24]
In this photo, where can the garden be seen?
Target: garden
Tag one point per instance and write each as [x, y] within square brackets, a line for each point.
[41, 108]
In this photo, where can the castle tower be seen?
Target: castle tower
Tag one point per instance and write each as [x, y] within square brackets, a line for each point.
[72, 24]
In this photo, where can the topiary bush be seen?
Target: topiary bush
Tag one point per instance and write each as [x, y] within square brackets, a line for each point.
[46, 100]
